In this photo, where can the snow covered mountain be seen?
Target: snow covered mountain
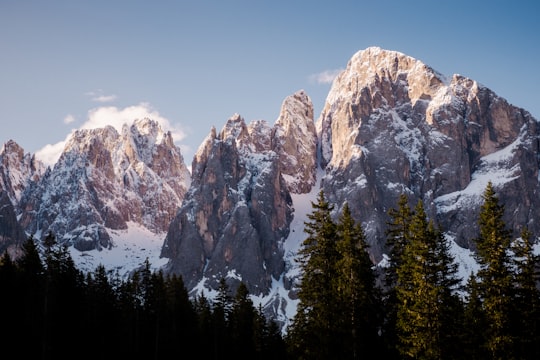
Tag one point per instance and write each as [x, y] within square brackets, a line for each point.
[393, 125]
[106, 182]
[238, 211]
[18, 172]
[390, 125]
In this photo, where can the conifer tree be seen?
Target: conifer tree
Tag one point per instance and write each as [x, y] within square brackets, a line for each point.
[220, 320]
[241, 323]
[495, 275]
[357, 295]
[101, 313]
[426, 283]
[313, 333]
[397, 236]
[526, 304]
[474, 323]
[31, 274]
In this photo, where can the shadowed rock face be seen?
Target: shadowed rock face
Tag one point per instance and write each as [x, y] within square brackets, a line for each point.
[11, 233]
[237, 212]
[105, 179]
[18, 172]
[393, 125]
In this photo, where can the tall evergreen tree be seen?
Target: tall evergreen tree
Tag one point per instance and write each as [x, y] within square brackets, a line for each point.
[425, 291]
[100, 307]
[397, 237]
[474, 323]
[526, 304]
[241, 324]
[313, 332]
[359, 299]
[220, 321]
[495, 275]
[31, 275]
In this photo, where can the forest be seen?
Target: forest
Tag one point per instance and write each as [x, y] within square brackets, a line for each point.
[415, 308]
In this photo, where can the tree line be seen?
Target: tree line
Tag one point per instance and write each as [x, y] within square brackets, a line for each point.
[50, 309]
[416, 307]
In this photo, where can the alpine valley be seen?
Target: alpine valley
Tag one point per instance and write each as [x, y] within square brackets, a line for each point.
[391, 125]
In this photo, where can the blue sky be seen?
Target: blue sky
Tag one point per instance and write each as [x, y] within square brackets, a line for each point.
[193, 64]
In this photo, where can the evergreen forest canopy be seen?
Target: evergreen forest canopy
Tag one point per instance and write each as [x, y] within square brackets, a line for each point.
[415, 308]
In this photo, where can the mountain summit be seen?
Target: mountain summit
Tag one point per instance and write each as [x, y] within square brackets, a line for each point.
[105, 179]
[237, 212]
[392, 125]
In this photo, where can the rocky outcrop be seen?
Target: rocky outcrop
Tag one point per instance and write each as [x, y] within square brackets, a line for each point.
[11, 233]
[237, 212]
[18, 170]
[295, 142]
[393, 125]
[105, 179]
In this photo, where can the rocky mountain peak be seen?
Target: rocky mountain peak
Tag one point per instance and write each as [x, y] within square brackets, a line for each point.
[295, 142]
[237, 212]
[393, 125]
[18, 170]
[103, 180]
[235, 128]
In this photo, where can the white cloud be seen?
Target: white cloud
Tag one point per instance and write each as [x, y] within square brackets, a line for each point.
[104, 98]
[325, 77]
[111, 115]
[50, 153]
[69, 119]
[98, 96]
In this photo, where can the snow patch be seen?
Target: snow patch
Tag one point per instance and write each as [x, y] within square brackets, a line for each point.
[130, 250]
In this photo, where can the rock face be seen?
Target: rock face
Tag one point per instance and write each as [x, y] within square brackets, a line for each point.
[11, 233]
[237, 212]
[18, 172]
[105, 179]
[393, 125]
[294, 139]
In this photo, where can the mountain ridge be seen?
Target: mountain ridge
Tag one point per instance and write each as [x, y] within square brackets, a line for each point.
[390, 125]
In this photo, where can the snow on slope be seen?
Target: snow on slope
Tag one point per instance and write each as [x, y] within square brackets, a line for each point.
[133, 246]
[130, 250]
[493, 167]
[286, 307]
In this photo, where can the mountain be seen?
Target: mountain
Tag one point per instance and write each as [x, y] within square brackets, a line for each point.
[238, 211]
[391, 125]
[18, 171]
[104, 181]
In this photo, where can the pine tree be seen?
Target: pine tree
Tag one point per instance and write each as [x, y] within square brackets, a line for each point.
[495, 275]
[241, 323]
[313, 332]
[101, 310]
[220, 321]
[397, 237]
[63, 297]
[526, 304]
[474, 323]
[358, 316]
[425, 292]
[31, 275]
